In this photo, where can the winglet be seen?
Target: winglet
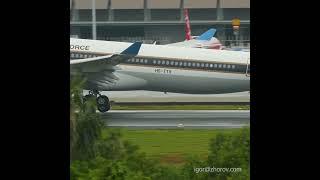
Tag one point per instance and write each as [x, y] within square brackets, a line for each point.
[133, 49]
[207, 35]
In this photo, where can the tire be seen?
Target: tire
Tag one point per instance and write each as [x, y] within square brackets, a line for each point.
[104, 108]
[102, 100]
[103, 103]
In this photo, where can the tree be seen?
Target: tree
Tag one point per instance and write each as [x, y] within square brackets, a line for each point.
[230, 151]
[76, 84]
[85, 124]
[188, 172]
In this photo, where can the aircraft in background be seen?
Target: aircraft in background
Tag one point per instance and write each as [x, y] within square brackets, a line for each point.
[122, 66]
[202, 41]
[207, 42]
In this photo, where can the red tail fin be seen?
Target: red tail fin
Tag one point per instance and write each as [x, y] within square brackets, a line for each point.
[187, 27]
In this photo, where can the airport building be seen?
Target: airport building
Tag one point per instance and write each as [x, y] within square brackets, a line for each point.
[159, 20]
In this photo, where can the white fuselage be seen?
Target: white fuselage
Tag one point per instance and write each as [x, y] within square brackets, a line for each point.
[166, 68]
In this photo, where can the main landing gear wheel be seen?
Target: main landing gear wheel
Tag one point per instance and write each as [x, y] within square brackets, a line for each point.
[103, 103]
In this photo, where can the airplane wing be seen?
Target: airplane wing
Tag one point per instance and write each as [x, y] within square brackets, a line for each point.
[88, 60]
[99, 71]
[112, 59]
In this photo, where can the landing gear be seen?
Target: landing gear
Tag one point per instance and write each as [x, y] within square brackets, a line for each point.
[103, 103]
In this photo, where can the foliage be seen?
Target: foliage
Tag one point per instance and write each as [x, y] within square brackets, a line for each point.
[117, 159]
[231, 151]
[85, 123]
[187, 170]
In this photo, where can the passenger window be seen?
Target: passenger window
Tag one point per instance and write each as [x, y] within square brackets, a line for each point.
[215, 65]
[211, 65]
[207, 65]
[233, 66]
[167, 63]
[228, 66]
[154, 61]
[220, 65]
[224, 66]
[202, 65]
[145, 61]
[180, 63]
[198, 64]
[176, 63]
[163, 62]
[193, 64]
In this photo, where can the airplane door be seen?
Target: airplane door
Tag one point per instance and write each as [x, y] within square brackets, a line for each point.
[248, 68]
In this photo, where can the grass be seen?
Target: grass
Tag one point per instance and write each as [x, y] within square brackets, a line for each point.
[174, 146]
[181, 107]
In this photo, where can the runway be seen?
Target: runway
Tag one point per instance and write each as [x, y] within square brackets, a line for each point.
[157, 119]
[150, 96]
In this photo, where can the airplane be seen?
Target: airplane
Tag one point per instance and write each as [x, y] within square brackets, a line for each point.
[122, 66]
[206, 40]
[202, 41]
[196, 41]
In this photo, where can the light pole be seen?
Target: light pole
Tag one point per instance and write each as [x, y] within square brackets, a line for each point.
[94, 24]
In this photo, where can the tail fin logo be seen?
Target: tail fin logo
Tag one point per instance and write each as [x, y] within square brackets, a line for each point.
[187, 27]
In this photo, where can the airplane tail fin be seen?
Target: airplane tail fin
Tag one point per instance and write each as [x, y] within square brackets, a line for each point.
[207, 35]
[133, 49]
[187, 27]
